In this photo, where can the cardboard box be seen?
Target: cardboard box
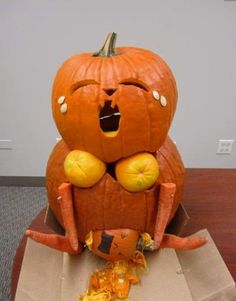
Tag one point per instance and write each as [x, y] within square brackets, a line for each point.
[197, 275]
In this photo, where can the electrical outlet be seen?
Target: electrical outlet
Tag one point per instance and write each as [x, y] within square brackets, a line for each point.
[225, 147]
[6, 144]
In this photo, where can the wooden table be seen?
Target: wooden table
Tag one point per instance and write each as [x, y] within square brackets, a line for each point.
[210, 200]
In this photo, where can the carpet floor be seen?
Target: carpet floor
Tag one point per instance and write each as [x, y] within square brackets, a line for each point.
[18, 206]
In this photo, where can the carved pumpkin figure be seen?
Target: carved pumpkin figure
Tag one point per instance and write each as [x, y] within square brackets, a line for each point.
[111, 106]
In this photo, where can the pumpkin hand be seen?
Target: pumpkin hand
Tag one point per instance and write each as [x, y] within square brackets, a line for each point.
[68, 243]
[182, 243]
[162, 240]
[55, 241]
[165, 203]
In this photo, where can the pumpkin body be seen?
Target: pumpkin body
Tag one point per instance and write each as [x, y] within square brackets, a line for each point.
[116, 104]
[115, 180]
[107, 205]
[123, 84]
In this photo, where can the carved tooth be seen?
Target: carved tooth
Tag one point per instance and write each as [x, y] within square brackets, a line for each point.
[163, 101]
[108, 116]
[61, 99]
[156, 95]
[63, 108]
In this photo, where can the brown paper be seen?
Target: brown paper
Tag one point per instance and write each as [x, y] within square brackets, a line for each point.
[41, 274]
[69, 275]
[206, 273]
[201, 274]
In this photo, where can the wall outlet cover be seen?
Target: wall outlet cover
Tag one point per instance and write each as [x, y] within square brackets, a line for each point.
[224, 147]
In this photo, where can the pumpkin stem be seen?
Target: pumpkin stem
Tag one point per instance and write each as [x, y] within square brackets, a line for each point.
[108, 49]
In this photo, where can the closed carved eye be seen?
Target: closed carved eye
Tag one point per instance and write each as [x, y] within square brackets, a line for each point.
[134, 82]
[81, 84]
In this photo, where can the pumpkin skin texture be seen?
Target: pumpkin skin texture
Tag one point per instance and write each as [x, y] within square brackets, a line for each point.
[126, 81]
[107, 205]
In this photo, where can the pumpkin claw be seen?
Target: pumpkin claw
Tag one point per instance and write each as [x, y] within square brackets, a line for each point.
[182, 243]
[55, 241]
[165, 203]
[68, 243]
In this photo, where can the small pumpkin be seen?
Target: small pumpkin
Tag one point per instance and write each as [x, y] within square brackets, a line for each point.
[114, 103]
[117, 244]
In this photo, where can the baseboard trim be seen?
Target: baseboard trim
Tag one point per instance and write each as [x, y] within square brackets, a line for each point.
[22, 181]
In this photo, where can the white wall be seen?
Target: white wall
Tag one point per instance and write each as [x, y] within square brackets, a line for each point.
[197, 39]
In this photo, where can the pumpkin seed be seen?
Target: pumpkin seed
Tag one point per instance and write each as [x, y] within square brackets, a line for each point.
[163, 101]
[63, 108]
[61, 100]
[156, 95]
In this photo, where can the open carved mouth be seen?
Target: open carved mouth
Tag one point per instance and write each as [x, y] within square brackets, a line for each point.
[109, 119]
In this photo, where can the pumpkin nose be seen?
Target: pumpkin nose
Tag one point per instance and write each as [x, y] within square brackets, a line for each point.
[109, 92]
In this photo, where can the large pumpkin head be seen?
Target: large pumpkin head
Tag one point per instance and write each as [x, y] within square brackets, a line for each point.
[114, 103]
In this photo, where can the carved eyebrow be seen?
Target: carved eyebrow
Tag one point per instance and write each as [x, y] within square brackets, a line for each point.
[134, 82]
[82, 83]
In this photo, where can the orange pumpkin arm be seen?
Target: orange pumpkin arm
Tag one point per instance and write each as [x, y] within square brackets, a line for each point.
[54, 241]
[165, 203]
[182, 243]
[65, 191]
[68, 243]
